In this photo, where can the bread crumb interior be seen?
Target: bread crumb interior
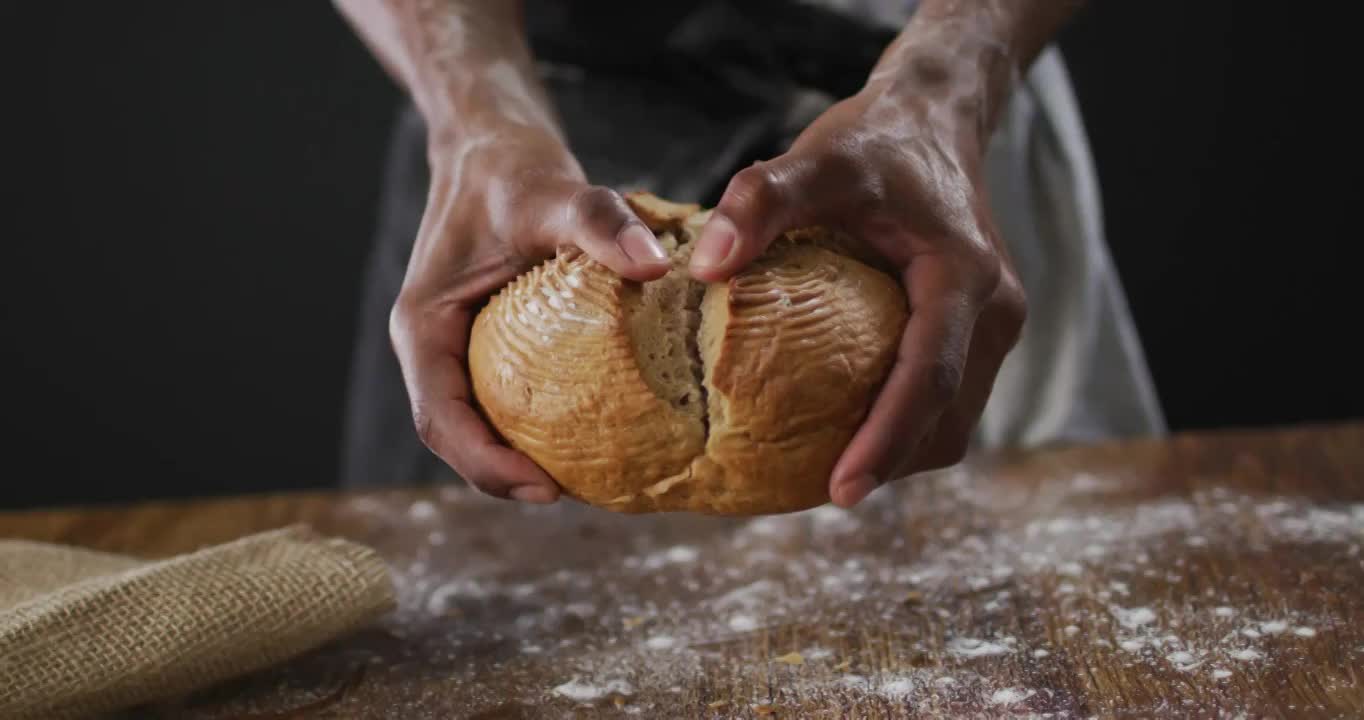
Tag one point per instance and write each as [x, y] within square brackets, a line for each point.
[664, 319]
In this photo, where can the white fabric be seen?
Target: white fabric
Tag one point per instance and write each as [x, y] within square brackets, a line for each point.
[1079, 373]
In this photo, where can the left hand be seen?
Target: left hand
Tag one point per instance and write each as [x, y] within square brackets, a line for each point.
[902, 172]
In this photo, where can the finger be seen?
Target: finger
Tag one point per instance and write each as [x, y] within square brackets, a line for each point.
[598, 220]
[947, 443]
[430, 346]
[950, 438]
[761, 202]
[996, 332]
[921, 385]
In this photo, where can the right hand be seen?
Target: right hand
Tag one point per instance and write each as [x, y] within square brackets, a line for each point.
[495, 209]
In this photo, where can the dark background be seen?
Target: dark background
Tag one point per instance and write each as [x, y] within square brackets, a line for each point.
[193, 188]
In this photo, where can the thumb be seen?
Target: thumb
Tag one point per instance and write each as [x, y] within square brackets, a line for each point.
[761, 202]
[599, 222]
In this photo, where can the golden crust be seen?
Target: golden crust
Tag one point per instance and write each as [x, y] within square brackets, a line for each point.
[792, 348]
[659, 214]
[553, 369]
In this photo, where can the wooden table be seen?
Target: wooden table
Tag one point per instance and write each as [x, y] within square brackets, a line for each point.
[1206, 576]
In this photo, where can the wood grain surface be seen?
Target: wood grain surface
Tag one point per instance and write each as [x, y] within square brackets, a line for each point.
[1213, 575]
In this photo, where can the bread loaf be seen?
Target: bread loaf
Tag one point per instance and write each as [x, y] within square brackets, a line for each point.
[730, 398]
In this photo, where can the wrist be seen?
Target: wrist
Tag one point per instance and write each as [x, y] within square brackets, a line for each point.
[457, 120]
[505, 151]
[958, 71]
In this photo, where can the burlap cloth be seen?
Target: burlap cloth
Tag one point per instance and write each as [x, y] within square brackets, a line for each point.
[84, 633]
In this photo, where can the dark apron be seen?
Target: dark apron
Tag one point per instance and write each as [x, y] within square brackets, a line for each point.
[669, 97]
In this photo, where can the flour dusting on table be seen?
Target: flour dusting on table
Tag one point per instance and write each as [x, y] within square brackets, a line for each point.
[973, 613]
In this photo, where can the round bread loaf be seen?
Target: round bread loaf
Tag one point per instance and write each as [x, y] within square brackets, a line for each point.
[730, 398]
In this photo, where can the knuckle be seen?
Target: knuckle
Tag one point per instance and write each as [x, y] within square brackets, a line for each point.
[426, 432]
[600, 207]
[415, 321]
[759, 185]
[985, 269]
[978, 268]
[401, 319]
[1011, 305]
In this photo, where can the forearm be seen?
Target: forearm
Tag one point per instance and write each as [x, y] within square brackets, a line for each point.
[970, 53]
[465, 63]
[1020, 27]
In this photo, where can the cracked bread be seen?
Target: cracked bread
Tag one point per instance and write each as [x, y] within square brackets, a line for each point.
[730, 398]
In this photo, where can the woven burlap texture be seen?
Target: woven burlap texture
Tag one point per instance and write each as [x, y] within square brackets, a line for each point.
[84, 633]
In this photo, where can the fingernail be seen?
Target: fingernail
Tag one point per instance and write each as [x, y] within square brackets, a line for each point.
[533, 494]
[716, 243]
[854, 491]
[642, 246]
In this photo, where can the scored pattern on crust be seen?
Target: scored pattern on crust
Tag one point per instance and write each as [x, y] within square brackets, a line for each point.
[785, 307]
[804, 336]
[553, 367]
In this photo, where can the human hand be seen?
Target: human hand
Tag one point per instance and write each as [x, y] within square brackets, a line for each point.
[900, 171]
[494, 210]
